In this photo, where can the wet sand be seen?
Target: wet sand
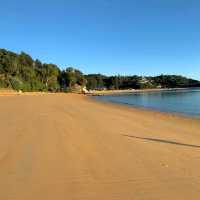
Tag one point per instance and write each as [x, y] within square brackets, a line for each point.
[67, 146]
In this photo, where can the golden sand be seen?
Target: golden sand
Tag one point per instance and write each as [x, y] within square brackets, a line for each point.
[68, 147]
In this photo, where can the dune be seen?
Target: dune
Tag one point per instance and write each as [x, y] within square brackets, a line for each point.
[67, 146]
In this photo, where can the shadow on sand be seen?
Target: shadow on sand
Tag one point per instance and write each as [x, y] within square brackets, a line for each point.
[162, 141]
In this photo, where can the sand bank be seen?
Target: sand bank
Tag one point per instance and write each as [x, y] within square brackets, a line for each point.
[66, 146]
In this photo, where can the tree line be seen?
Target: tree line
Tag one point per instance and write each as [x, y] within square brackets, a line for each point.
[98, 81]
[22, 72]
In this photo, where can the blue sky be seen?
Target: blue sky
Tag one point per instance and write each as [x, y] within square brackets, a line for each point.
[145, 37]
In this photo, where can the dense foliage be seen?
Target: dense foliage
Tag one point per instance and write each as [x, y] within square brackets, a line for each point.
[22, 72]
[98, 81]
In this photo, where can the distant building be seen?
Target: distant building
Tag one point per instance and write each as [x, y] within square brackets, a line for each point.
[143, 80]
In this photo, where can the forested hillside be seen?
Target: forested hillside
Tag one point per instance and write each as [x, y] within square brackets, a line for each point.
[22, 72]
[98, 81]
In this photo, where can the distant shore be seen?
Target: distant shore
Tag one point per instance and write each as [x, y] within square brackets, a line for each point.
[112, 92]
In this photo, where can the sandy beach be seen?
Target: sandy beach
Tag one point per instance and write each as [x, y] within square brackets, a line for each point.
[67, 146]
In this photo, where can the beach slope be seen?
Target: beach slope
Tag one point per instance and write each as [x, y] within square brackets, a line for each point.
[65, 146]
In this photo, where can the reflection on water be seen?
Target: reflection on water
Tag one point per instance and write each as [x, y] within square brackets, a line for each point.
[185, 102]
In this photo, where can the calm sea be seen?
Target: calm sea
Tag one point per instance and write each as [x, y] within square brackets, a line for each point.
[185, 102]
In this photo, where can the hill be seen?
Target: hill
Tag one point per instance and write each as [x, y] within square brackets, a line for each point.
[22, 72]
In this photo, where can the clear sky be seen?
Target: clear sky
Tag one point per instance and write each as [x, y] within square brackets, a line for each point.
[144, 37]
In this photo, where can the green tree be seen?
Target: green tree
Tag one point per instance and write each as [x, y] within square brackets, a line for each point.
[50, 73]
[70, 77]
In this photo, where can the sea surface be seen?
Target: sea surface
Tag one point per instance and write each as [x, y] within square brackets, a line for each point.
[183, 102]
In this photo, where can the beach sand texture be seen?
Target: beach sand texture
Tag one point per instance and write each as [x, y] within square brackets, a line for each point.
[68, 147]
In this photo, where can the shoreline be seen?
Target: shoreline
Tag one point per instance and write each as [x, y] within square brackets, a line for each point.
[10, 92]
[131, 91]
[177, 114]
[113, 104]
[149, 111]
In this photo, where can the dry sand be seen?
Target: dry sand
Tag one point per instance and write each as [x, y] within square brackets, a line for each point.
[68, 147]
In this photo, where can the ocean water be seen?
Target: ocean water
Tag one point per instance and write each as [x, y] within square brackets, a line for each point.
[184, 102]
